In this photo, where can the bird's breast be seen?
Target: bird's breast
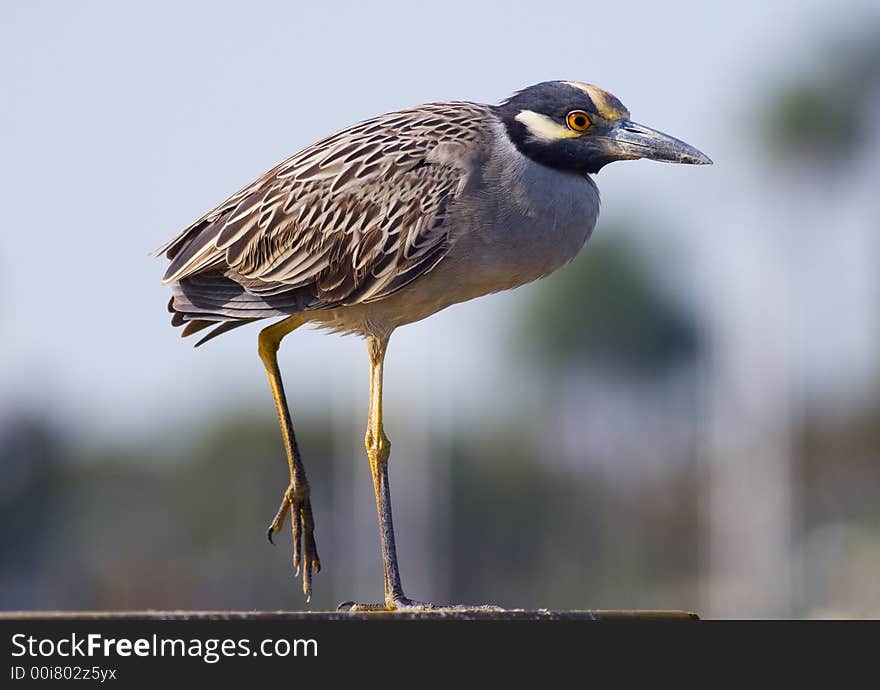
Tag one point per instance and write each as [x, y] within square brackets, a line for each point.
[520, 221]
[516, 221]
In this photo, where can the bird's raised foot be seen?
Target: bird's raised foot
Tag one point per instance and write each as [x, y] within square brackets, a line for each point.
[305, 552]
[402, 604]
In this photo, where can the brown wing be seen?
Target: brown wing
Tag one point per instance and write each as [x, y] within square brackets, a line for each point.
[350, 219]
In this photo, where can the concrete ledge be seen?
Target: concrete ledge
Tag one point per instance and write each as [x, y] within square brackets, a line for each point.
[509, 615]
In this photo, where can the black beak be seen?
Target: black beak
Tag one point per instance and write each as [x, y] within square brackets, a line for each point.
[628, 140]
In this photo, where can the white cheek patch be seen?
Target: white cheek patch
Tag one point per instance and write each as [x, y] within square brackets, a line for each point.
[544, 128]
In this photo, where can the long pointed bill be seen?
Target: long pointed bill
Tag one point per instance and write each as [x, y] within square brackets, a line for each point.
[631, 140]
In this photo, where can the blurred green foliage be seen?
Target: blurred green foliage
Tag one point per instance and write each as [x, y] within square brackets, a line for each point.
[115, 528]
[815, 118]
[606, 308]
[160, 525]
[527, 532]
[827, 114]
[184, 526]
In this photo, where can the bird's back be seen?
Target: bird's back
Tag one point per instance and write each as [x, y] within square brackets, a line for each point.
[351, 219]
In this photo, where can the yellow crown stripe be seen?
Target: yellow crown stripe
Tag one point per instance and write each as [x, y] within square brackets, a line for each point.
[607, 105]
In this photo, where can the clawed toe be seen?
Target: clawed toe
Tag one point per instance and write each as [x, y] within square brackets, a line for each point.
[403, 605]
[278, 520]
[305, 551]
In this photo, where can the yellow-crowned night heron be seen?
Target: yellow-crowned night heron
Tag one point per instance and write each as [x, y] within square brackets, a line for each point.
[391, 220]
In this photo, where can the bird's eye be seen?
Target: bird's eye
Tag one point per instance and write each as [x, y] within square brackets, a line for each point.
[578, 120]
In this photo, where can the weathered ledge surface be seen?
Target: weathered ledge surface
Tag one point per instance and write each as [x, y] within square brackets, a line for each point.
[450, 614]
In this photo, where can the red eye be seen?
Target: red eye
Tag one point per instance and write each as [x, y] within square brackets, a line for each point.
[578, 120]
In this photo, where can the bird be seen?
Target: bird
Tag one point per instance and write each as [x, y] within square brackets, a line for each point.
[388, 222]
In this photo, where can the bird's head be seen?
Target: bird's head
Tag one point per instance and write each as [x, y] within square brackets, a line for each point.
[577, 127]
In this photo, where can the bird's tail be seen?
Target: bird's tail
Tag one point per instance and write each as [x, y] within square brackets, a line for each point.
[213, 299]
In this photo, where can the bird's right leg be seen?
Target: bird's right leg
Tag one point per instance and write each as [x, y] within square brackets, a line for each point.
[295, 499]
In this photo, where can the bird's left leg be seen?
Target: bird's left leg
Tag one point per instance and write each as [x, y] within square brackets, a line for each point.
[295, 499]
[378, 451]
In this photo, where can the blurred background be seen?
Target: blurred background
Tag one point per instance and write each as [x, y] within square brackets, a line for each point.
[688, 416]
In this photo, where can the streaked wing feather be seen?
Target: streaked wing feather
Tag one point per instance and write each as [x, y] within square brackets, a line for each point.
[356, 216]
[220, 330]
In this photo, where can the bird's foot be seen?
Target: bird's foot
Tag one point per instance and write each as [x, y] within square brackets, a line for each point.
[305, 552]
[403, 604]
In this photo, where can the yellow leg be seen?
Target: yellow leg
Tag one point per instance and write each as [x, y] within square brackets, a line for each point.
[295, 499]
[379, 450]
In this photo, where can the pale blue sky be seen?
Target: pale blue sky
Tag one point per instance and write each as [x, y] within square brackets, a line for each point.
[121, 123]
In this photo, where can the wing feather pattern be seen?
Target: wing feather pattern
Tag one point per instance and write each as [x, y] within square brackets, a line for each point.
[350, 219]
